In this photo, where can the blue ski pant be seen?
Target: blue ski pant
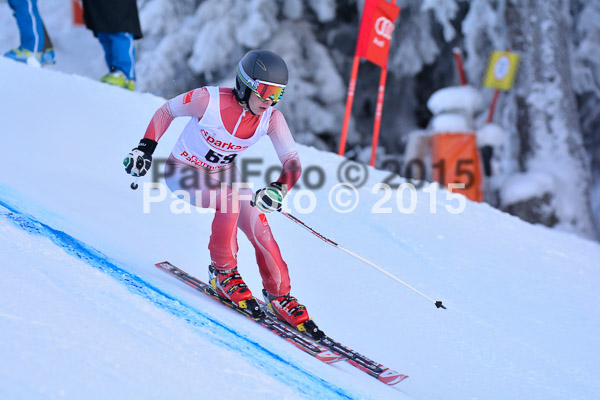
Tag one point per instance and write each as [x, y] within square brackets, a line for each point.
[119, 52]
[30, 24]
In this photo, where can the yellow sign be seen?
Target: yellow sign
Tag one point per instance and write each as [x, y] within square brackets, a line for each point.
[501, 70]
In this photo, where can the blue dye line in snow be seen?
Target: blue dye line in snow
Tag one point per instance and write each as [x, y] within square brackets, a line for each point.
[306, 383]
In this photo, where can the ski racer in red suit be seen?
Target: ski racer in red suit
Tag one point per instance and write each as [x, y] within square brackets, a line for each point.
[224, 123]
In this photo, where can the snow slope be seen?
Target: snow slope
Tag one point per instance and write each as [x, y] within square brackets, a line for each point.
[75, 339]
[84, 313]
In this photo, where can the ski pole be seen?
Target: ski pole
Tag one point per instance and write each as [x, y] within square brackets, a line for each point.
[438, 303]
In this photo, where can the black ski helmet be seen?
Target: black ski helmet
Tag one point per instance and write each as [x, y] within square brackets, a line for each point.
[259, 65]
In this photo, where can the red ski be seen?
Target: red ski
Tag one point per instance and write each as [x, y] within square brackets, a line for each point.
[322, 347]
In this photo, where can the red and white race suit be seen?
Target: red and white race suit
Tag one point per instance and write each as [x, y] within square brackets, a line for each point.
[219, 130]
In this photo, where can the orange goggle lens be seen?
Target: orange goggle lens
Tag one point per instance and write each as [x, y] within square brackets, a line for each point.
[269, 92]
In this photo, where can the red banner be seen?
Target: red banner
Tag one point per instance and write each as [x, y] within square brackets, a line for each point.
[374, 37]
[376, 29]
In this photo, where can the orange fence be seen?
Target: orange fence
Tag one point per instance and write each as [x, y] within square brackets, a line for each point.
[455, 159]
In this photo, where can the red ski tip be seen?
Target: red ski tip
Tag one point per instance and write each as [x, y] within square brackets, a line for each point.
[328, 356]
[390, 377]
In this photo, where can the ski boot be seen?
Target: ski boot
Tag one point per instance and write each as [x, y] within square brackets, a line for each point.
[287, 309]
[118, 78]
[37, 59]
[230, 285]
[47, 57]
[20, 54]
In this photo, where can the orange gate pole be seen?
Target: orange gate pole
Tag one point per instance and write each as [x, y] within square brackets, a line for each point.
[378, 112]
[349, 101]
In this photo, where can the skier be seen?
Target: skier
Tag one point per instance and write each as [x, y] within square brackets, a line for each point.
[224, 123]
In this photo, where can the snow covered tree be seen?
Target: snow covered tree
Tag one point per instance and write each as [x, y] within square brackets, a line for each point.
[547, 169]
[586, 81]
[547, 119]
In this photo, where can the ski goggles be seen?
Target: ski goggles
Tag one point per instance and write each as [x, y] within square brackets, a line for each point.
[269, 91]
[263, 89]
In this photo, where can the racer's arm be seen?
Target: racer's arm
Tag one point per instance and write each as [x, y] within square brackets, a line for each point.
[190, 104]
[286, 149]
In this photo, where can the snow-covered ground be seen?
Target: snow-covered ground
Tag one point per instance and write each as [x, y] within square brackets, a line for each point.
[84, 313]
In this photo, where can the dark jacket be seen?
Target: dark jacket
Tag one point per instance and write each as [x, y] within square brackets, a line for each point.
[112, 16]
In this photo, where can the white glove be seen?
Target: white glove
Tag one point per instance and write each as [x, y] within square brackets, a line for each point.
[269, 199]
[138, 161]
